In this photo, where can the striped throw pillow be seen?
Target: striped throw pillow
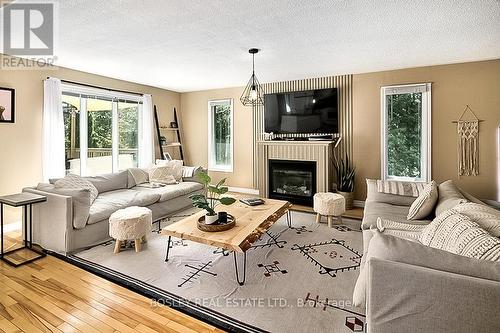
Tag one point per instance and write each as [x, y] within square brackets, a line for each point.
[409, 189]
[424, 205]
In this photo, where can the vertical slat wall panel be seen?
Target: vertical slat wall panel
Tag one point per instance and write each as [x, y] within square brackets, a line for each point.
[343, 83]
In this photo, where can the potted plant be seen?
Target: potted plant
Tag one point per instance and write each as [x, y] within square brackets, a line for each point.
[345, 180]
[212, 197]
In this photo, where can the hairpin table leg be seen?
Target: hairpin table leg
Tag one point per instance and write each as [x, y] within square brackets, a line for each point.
[289, 218]
[241, 282]
[168, 247]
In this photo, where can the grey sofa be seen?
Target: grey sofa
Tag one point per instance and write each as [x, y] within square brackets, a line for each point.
[414, 288]
[62, 224]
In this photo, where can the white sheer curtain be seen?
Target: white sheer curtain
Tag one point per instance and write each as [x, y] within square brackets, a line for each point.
[52, 130]
[146, 143]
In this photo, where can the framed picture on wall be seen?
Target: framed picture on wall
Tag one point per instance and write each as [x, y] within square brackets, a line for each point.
[7, 105]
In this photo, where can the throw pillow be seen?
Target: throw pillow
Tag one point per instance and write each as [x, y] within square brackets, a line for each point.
[137, 176]
[456, 233]
[410, 189]
[424, 204]
[72, 181]
[175, 167]
[449, 197]
[162, 174]
[488, 218]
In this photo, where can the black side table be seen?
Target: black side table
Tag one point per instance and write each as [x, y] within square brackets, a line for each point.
[24, 200]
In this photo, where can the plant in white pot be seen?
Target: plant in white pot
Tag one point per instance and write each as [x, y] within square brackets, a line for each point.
[214, 196]
[345, 180]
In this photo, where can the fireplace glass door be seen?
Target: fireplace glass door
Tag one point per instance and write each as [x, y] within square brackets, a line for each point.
[291, 180]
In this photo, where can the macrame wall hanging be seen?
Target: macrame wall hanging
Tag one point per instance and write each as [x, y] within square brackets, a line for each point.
[468, 143]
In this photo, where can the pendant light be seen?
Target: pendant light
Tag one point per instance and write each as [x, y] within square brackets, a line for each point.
[252, 95]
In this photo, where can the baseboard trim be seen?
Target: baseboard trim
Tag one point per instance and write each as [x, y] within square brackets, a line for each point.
[243, 190]
[359, 203]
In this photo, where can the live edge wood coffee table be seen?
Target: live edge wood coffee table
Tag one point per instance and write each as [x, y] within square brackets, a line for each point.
[251, 223]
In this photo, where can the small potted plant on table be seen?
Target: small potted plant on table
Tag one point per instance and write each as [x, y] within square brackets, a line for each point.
[214, 196]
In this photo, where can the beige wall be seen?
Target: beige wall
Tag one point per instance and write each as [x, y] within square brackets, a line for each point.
[194, 106]
[453, 87]
[20, 143]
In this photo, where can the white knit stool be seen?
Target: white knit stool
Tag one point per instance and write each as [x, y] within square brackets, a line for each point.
[131, 223]
[329, 205]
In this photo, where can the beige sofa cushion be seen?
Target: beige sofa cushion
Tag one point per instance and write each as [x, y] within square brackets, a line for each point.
[71, 181]
[423, 206]
[449, 197]
[110, 181]
[109, 202]
[80, 199]
[400, 250]
[169, 192]
[456, 233]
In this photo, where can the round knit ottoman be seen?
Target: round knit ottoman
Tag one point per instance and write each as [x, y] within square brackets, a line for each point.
[329, 205]
[131, 223]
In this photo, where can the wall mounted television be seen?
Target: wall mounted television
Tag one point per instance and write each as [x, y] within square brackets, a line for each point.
[299, 112]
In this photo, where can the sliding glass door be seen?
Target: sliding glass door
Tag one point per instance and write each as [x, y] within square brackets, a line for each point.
[101, 133]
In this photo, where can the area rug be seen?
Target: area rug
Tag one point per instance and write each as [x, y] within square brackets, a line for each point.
[298, 279]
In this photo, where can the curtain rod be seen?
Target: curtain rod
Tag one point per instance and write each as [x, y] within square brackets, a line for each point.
[98, 87]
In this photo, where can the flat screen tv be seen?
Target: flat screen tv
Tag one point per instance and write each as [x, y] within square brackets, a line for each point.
[311, 111]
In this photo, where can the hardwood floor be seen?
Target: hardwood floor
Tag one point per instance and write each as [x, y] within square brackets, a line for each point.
[51, 295]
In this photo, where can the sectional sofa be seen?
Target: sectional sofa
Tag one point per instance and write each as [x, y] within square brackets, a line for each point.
[409, 287]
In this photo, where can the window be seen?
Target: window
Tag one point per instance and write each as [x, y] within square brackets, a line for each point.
[220, 135]
[406, 132]
[101, 130]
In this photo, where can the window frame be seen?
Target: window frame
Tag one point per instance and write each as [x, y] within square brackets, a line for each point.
[426, 161]
[212, 166]
[115, 97]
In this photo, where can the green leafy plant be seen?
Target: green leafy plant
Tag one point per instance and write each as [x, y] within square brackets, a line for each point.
[345, 174]
[213, 194]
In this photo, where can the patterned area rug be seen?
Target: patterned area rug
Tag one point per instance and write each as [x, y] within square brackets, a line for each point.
[298, 279]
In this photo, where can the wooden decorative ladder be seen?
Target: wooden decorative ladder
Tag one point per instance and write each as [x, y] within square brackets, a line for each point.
[170, 145]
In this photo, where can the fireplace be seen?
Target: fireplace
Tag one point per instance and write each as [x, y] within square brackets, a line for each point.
[292, 180]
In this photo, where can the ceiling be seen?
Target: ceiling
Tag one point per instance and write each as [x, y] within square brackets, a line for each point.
[187, 45]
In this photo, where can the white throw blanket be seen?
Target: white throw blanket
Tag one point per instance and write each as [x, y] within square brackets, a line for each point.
[401, 230]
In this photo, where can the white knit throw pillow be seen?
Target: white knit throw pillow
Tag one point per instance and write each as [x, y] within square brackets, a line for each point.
[424, 204]
[173, 167]
[488, 218]
[76, 182]
[162, 174]
[456, 233]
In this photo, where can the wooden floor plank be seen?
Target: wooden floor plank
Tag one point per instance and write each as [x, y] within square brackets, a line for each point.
[51, 295]
[7, 326]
